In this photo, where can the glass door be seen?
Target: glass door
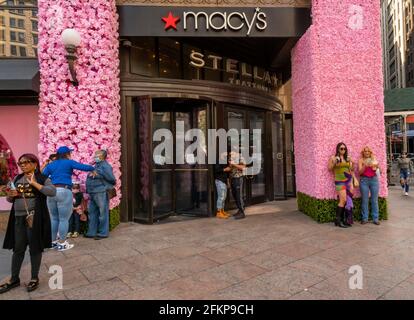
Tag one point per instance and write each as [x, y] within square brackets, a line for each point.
[180, 188]
[238, 118]
[256, 186]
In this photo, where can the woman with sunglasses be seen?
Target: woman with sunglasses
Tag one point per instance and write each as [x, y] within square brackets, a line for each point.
[28, 193]
[342, 167]
[367, 167]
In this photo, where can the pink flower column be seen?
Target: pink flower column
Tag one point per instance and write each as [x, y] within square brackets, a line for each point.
[86, 117]
[337, 91]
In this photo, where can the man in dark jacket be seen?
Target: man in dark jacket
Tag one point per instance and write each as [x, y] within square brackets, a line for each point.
[97, 185]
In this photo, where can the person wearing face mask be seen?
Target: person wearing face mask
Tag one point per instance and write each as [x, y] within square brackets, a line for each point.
[97, 185]
[29, 221]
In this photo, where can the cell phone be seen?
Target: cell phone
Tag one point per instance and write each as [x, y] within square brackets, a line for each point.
[12, 186]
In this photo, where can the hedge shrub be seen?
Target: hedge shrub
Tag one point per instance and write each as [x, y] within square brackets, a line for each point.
[324, 210]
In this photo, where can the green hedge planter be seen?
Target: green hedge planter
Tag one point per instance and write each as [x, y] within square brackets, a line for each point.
[114, 220]
[324, 210]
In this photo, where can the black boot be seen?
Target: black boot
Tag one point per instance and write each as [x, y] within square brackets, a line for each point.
[344, 219]
[338, 220]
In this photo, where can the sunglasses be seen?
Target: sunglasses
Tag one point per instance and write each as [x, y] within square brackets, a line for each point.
[342, 148]
[23, 163]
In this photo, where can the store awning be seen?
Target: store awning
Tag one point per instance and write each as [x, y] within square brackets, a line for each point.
[19, 75]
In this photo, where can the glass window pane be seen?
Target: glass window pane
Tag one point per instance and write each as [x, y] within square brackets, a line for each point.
[169, 59]
[13, 36]
[21, 37]
[143, 58]
[13, 50]
[162, 195]
[22, 51]
[192, 192]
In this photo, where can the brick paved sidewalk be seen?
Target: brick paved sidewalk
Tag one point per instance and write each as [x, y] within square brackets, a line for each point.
[275, 253]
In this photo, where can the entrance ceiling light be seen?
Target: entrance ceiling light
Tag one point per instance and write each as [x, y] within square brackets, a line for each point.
[71, 39]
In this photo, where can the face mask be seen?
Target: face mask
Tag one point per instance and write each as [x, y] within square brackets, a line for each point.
[97, 159]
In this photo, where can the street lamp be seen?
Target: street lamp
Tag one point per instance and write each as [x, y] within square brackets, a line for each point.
[71, 39]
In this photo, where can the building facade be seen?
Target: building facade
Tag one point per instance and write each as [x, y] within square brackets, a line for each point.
[266, 65]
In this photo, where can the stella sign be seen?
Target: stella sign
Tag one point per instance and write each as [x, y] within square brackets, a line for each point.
[263, 80]
[218, 21]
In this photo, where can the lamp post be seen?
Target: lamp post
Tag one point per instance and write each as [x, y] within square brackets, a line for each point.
[71, 39]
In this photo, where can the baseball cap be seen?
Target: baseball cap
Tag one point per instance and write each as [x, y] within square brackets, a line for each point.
[63, 149]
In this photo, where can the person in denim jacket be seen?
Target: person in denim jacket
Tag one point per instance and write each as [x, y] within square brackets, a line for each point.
[97, 184]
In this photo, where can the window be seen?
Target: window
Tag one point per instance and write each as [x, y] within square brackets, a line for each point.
[13, 36]
[22, 51]
[13, 23]
[35, 39]
[2, 35]
[2, 53]
[22, 37]
[34, 25]
[20, 24]
[13, 50]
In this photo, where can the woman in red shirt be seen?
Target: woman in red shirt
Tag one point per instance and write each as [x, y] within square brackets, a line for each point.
[368, 166]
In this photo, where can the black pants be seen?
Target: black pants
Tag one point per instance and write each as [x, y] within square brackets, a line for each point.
[237, 192]
[74, 222]
[22, 238]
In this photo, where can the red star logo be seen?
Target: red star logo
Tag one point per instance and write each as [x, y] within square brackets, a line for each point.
[170, 21]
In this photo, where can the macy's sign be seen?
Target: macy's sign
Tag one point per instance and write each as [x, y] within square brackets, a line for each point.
[218, 21]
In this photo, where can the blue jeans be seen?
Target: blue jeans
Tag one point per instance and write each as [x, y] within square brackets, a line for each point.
[60, 208]
[98, 215]
[405, 175]
[367, 185]
[221, 194]
[74, 222]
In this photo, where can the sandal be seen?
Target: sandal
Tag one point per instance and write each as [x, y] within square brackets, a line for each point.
[32, 285]
[8, 286]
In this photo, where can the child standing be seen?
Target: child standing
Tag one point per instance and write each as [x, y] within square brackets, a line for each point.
[74, 221]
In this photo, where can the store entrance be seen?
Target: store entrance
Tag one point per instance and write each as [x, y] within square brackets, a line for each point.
[179, 188]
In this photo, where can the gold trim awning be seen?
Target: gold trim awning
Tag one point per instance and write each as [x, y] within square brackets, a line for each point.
[219, 3]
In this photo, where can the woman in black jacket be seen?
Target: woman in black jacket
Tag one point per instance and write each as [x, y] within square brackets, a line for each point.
[28, 193]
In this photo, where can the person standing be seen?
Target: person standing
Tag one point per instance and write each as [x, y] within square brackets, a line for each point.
[405, 165]
[221, 176]
[237, 166]
[342, 167]
[29, 221]
[60, 206]
[74, 221]
[97, 185]
[367, 167]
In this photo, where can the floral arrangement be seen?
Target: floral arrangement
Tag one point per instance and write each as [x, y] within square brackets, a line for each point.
[84, 117]
[337, 94]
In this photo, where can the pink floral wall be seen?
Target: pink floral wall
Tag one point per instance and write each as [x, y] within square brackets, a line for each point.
[86, 117]
[337, 91]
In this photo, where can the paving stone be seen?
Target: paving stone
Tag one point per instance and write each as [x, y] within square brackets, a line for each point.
[404, 291]
[289, 279]
[102, 290]
[269, 259]
[225, 254]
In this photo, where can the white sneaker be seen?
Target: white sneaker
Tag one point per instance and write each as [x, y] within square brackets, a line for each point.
[406, 193]
[64, 246]
[55, 244]
[69, 235]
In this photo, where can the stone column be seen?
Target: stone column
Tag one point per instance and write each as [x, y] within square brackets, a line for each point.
[86, 117]
[337, 97]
